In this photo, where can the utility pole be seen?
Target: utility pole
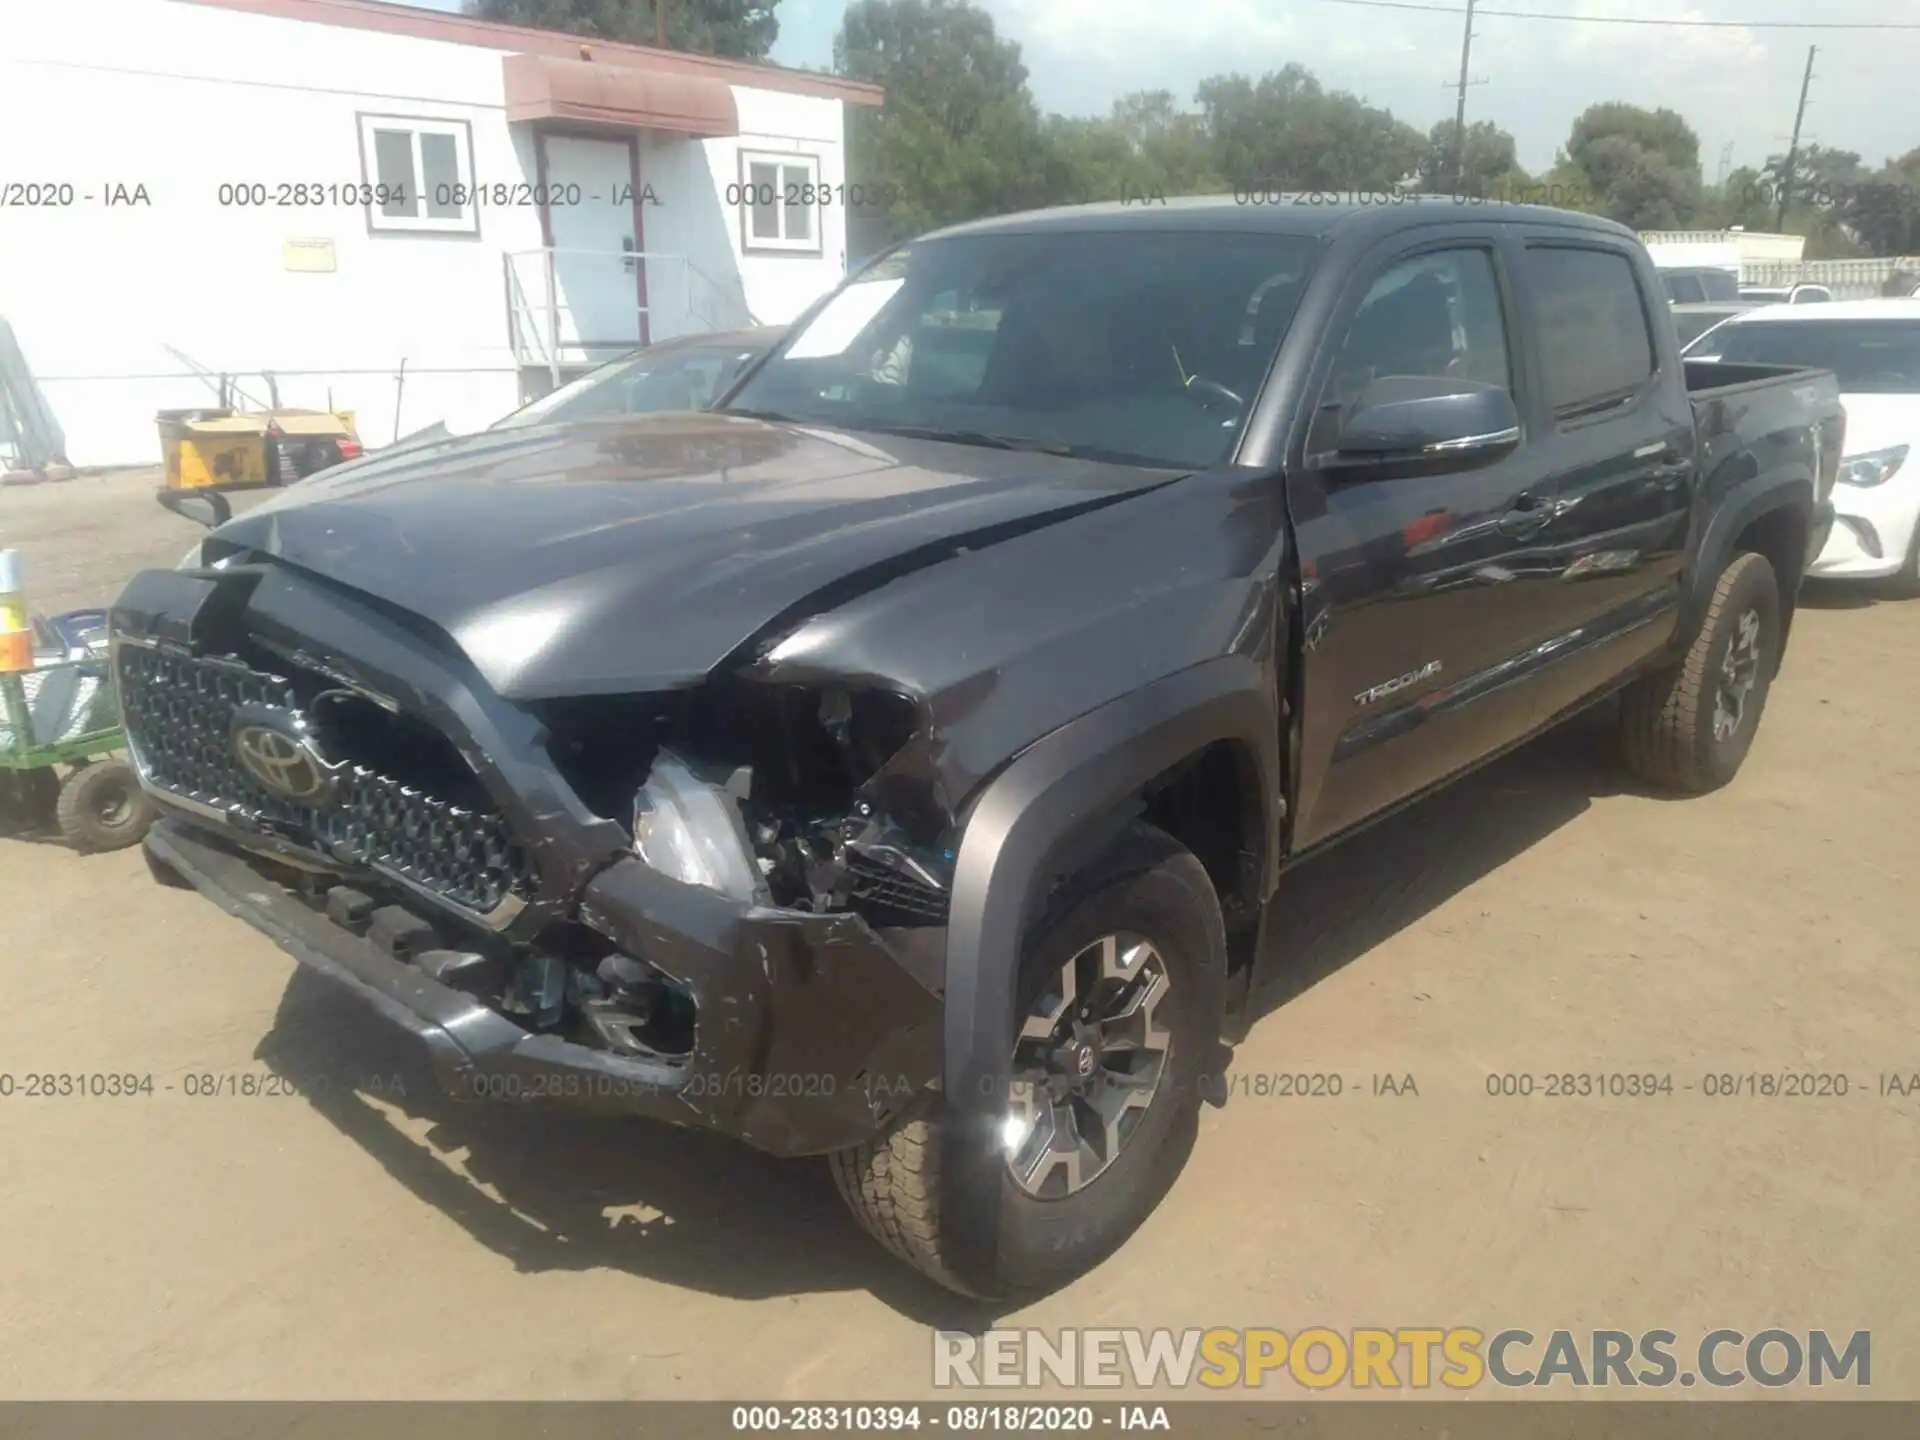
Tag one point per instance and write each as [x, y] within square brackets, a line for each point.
[1726, 163]
[1460, 108]
[1793, 144]
[660, 23]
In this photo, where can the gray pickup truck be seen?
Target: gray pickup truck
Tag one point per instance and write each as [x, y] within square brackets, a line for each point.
[894, 764]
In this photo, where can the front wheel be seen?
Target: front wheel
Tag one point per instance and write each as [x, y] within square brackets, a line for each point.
[1689, 726]
[1120, 1004]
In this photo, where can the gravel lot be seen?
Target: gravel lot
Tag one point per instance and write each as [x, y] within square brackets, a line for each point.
[365, 1238]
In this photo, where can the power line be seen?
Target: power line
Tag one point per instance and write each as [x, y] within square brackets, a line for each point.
[1869, 25]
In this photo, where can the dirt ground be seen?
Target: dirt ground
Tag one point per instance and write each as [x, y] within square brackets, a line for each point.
[1540, 917]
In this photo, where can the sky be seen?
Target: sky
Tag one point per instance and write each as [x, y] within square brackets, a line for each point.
[1736, 85]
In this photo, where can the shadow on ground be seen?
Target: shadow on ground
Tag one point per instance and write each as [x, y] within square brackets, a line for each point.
[1834, 595]
[1334, 907]
[553, 1190]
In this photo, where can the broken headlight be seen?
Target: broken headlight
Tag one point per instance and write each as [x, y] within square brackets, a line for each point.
[687, 825]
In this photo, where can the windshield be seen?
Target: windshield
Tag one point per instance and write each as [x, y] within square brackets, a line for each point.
[1141, 346]
[1691, 325]
[672, 377]
[1871, 357]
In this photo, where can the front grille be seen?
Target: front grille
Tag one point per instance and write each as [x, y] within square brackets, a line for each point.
[179, 712]
[893, 898]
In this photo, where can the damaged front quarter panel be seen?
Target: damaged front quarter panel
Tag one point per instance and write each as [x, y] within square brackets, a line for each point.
[998, 647]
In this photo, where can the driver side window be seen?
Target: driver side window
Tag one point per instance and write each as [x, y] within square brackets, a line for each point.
[1436, 315]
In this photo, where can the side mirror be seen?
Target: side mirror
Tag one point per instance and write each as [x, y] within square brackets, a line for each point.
[1429, 418]
[204, 507]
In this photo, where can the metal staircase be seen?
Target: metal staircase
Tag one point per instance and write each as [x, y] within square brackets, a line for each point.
[563, 317]
[30, 438]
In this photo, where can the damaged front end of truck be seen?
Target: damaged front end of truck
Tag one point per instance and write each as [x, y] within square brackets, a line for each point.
[754, 944]
[583, 853]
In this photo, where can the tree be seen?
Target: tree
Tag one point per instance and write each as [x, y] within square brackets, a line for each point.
[742, 29]
[1285, 131]
[1883, 210]
[1662, 132]
[1641, 166]
[1489, 167]
[1745, 200]
[1145, 148]
[1173, 146]
[959, 135]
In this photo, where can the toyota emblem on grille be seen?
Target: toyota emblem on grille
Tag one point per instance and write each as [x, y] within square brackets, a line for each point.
[273, 747]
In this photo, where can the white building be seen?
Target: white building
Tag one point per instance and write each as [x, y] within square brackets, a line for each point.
[418, 217]
[1734, 250]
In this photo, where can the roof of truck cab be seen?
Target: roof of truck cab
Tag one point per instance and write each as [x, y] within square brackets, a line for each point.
[1900, 308]
[1304, 213]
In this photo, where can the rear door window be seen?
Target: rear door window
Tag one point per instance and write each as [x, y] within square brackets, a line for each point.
[1596, 347]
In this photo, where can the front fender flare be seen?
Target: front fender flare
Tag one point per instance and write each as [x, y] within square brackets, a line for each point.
[1056, 795]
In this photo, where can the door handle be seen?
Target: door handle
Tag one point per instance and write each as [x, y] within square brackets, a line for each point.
[1527, 515]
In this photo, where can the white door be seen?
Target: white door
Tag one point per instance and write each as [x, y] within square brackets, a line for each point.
[589, 205]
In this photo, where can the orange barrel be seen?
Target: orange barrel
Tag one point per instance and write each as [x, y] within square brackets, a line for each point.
[16, 631]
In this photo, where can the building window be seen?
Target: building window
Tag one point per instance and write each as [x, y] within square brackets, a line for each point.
[421, 174]
[780, 203]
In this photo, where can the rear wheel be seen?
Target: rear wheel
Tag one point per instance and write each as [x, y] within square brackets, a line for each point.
[1689, 727]
[102, 807]
[1120, 1006]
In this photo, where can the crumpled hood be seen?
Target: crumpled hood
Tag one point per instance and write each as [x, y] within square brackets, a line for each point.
[636, 554]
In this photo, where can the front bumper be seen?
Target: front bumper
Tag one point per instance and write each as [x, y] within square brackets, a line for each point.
[811, 1033]
[1872, 534]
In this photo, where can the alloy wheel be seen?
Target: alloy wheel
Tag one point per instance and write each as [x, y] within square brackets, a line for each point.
[1739, 672]
[1089, 1059]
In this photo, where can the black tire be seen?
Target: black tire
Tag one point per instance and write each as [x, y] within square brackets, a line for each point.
[27, 799]
[1667, 718]
[102, 807]
[1149, 885]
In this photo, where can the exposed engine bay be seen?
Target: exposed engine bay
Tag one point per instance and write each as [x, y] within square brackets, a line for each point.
[787, 796]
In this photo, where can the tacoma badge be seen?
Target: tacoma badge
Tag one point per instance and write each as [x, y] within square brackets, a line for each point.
[1398, 683]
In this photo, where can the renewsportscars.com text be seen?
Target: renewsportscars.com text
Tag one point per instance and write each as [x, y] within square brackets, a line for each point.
[1417, 1358]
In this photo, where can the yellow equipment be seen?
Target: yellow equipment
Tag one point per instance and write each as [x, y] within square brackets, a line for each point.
[234, 450]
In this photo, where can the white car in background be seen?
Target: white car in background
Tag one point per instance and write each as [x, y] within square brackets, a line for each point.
[1873, 346]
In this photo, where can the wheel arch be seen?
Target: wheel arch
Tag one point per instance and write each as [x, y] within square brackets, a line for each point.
[1771, 516]
[1050, 811]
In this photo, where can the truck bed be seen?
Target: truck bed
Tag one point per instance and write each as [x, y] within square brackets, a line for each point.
[1707, 378]
[1773, 414]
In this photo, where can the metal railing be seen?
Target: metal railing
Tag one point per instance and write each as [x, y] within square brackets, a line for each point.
[1859, 279]
[570, 309]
